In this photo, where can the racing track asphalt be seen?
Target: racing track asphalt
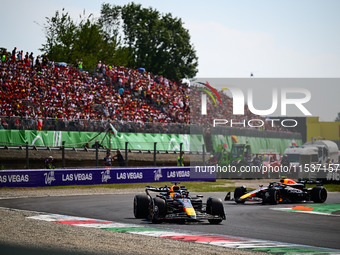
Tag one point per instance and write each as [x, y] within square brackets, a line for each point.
[250, 220]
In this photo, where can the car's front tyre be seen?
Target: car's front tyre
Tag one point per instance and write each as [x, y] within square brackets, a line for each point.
[272, 196]
[157, 210]
[319, 194]
[239, 192]
[215, 208]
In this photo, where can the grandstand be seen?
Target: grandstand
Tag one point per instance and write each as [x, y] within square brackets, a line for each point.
[34, 96]
[47, 96]
[64, 92]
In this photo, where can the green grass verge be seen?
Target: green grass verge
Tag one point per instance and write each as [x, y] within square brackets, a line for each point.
[329, 187]
[199, 186]
[219, 185]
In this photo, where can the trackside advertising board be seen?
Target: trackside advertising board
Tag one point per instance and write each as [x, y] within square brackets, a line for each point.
[64, 177]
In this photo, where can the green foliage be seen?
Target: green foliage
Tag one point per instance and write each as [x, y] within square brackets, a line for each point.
[60, 37]
[124, 36]
[159, 43]
[338, 117]
[67, 41]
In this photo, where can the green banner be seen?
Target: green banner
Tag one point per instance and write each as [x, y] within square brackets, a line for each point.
[136, 141]
[258, 144]
[139, 141]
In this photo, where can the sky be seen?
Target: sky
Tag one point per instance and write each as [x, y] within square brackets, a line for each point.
[232, 38]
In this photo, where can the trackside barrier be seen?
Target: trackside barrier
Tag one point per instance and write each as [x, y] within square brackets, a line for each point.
[64, 177]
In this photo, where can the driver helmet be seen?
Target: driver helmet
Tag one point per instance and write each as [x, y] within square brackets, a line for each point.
[177, 195]
[287, 181]
[174, 190]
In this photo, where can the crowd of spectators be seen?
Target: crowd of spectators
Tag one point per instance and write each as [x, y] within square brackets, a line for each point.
[42, 89]
[53, 95]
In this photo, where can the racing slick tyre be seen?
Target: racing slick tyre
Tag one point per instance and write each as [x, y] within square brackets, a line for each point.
[141, 204]
[272, 196]
[319, 194]
[215, 207]
[157, 210]
[239, 192]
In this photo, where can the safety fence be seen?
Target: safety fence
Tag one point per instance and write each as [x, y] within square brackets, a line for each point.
[93, 125]
[35, 157]
[93, 176]
[65, 143]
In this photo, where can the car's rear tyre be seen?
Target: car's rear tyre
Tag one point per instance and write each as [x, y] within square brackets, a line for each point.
[239, 192]
[272, 196]
[215, 207]
[157, 210]
[319, 194]
[141, 204]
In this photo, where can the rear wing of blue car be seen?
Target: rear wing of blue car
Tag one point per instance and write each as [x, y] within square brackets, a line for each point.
[165, 189]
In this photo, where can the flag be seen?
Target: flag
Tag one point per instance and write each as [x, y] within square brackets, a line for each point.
[294, 143]
[113, 130]
[40, 124]
[234, 139]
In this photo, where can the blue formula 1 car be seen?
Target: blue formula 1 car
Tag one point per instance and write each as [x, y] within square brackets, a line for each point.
[285, 191]
[174, 203]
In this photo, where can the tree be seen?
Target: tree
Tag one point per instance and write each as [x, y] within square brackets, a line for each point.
[60, 37]
[109, 21]
[338, 117]
[158, 43]
[130, 35]
[88, 43]
[67, 41]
